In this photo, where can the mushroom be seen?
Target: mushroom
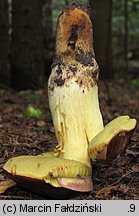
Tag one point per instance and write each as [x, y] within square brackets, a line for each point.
[78, 123]
[112, 140]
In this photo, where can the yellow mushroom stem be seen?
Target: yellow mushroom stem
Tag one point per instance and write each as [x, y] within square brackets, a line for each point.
[73, 90]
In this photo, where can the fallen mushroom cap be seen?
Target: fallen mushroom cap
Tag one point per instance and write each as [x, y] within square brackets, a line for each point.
[55, 171]
[46, 167]
[112, 140]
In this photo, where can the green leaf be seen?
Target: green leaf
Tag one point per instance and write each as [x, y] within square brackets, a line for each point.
[32, 112]
[135, 82]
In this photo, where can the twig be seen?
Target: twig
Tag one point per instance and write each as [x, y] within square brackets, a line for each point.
[14, 197]
[123, 176]
[113, 184]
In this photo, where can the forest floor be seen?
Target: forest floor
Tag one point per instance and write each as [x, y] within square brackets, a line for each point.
[21, 135]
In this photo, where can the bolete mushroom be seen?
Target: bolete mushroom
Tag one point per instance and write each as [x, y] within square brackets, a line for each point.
[78, 123]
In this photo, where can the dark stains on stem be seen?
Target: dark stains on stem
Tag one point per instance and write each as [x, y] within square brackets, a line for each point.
[85, 59]
[59, 81]
[73, 36]
[73, 69]
[79, 5]
[95, 74]
[56, 62]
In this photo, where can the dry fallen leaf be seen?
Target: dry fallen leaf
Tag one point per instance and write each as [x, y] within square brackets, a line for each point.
[132, 153]
[1, 177]
[122, 161]
[135, 167]
[106, 190]
[120, 188]
[4, 185]
[52, 130]
[41, 123]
